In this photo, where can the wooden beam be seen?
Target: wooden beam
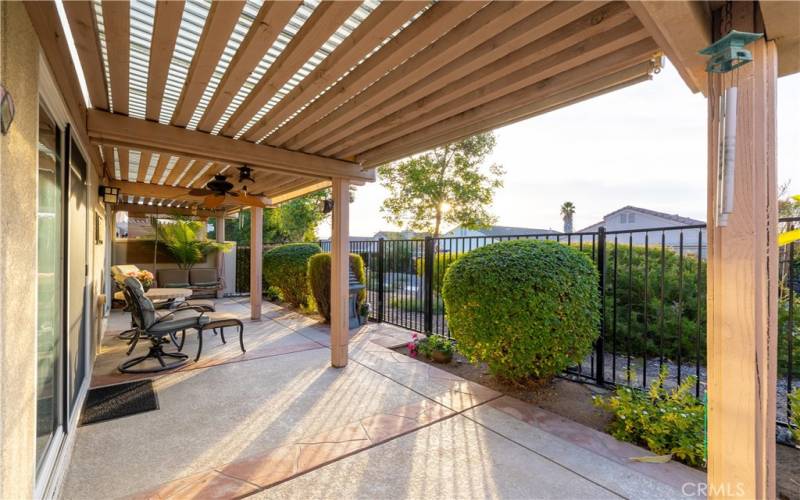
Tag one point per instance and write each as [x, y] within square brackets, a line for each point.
[340, 273]
[53, 40]
[191, 173]
[154, 190]
[381, 23]
[144, 165]
[545, 77]
[621, 59]
[267, 25]
[782, 24]
[111, 129]
[743, 283]
[680, 28]
[108, 157]
[83, 26]
[221, 19]
[158, 172]
[462, 76]
[256, 261]
[324, 21]
[484, 122]
[178, 169]
[166, 25]
[485, 24]
[117, 25]
[123, 155]
[436, 21]
[137, 209]
[298, 191]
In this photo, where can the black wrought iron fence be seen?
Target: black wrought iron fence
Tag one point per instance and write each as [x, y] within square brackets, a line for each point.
[653, 299]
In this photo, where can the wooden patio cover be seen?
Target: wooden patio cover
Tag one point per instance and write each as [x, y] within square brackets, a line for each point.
[305, 91]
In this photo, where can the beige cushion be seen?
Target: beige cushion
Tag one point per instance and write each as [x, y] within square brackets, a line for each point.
[203, 277]
[121, 271]
[173, 278]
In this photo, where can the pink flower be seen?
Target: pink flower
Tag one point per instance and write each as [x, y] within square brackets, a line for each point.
[412, 349]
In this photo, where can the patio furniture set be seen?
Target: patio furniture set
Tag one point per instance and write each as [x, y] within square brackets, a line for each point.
[160, 315]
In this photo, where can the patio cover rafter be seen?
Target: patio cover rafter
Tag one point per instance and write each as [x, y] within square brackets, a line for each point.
[121, 131]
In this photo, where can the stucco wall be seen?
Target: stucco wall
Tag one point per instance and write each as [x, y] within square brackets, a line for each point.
[18, 178]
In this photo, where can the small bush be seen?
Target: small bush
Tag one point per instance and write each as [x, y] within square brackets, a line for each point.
[285, 268]
[794, 402]
[527, 308]
[667, 422]
[273, 294]
[319, 281]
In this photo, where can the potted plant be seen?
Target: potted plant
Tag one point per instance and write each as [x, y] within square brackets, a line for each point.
[186, 241]
[363, 313]
[435, 347]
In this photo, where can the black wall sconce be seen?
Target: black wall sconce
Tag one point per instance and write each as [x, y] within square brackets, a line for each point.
[109, 194]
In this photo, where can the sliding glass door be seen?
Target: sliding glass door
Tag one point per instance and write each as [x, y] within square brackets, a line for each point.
[76, 270]
[49, 390]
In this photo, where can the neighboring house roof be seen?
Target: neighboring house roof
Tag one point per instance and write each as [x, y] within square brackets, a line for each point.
[684, 221]
[399, 235]
[509, 231]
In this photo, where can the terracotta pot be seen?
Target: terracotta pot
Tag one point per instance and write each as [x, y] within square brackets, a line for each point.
[441, 357]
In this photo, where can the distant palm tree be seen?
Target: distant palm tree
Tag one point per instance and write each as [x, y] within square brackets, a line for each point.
[567, 211]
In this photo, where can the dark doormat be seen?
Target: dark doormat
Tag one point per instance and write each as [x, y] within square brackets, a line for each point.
[121, 400]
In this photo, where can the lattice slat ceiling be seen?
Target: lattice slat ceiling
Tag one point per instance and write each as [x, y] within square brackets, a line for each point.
[361, 81]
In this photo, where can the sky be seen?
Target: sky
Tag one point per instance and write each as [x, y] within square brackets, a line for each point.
[644, 145]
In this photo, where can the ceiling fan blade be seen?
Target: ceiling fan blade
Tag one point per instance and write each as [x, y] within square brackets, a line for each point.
[251, 201]
[200, 192]
[214, 201]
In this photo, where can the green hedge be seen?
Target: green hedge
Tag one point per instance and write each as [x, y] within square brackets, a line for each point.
[672, 330]
[441, 262]
[285, 267]
[319, 281]
[527, 308]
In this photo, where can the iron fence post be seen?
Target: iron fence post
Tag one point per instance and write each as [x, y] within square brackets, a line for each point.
[428, 282]
[380, 280]
[601, 270]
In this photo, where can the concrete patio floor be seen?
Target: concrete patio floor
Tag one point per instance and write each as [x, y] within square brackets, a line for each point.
[279, 422]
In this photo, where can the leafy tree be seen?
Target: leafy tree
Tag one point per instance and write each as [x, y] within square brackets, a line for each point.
[567, 211]
[294, 221]
[443, 185]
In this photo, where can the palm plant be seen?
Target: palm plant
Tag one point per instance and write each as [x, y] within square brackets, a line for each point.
[185, 241]
[567, 211]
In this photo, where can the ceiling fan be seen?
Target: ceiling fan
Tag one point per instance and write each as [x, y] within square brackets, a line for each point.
[218, 191]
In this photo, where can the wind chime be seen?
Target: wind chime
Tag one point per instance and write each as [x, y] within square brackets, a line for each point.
[726, 55]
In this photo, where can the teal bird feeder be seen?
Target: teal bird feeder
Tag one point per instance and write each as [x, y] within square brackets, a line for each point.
[728, 53]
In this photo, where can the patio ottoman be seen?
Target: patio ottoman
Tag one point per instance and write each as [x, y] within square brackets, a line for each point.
[219, 320]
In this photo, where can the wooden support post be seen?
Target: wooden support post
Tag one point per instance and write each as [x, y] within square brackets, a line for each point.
[256, 260]
[742, 281]
[340, 272]
[220, 230]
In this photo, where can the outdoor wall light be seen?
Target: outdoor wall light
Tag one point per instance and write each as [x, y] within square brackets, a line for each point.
[6, 110]
[109, 194]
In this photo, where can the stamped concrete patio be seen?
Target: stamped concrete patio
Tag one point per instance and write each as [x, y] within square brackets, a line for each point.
[279, 422]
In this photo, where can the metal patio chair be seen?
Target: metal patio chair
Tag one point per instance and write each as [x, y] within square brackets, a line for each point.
[158, 328]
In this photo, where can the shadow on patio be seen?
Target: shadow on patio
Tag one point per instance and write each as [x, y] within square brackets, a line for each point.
[277, 421]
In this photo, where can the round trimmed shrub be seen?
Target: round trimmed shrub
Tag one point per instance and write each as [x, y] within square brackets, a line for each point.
[527, 308]
[319, 280]
[285, 268]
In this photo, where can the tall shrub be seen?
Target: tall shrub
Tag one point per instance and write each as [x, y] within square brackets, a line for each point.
[527, 308]
[319, 281]
[285, 267]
